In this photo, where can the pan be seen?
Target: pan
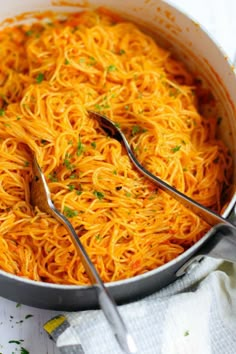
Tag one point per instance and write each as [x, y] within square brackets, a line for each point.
[189, 42]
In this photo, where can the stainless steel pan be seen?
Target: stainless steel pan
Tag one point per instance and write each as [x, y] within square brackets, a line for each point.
[189, 42]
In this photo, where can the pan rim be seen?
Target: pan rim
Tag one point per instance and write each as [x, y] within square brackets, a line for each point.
[186, 254]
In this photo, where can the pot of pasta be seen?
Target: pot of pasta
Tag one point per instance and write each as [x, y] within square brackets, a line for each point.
[159, 76]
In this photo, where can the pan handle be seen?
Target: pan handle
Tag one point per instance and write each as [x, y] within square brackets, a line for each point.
[220, 244]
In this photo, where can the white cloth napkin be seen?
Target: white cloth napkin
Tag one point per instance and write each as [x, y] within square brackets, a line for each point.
[194, 315]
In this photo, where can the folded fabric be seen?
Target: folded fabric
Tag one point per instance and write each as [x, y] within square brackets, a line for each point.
[194, 315]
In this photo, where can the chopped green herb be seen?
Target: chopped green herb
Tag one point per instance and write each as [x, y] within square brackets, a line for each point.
[2, 112]
[80, 148]
[98, 107]
[68, 163]
[92, 61]
[7, 125]
[53, 176]
[183, 142]
[176, 148]
[186, 333]
[14, 342]
[82, 60]
[122, 51]
[94, 145]
[126, 107]
[70, 213]
[136, 129]
[67, 62]
[114, 172]
[73, 176]
[98, 195]
[28, 316]
[111, 68]
[29, 33]
[127, 194]
[18, 305]
[39, 78]
[24, 351]
[185, 169]
[98, 237]
[26, 164]
[71, 187]
[117, 125]
[75, 29]
[219, 120]
[79, 192]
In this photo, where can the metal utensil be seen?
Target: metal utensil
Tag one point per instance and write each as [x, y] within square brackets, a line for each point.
[40, 197]
[114, 131]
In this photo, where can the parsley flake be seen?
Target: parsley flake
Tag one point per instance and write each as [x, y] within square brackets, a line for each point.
[53, 176]
[98, 237]
[71, 187]
[2, 112]
[24, 351]
[70, 213]
[117, 125]
[98, 195]
[176, 148]
[67, 163]
[136, 129]
[111, 68]
[29, 33]
[122, 51]
[94, 145]
[80, 148]
[67, 62]
[39, 78]
[127, 194]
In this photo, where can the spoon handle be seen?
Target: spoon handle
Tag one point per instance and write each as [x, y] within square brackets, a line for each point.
[40, 196]
[105, 300]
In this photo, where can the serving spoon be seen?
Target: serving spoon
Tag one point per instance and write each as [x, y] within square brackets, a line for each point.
[113, 130]
[40, 197]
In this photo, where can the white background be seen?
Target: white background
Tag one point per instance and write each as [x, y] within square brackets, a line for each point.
[218, 18]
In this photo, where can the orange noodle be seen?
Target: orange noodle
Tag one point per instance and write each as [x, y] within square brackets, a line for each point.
[51, 75]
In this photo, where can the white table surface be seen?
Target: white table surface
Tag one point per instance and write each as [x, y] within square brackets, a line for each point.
[218, 17]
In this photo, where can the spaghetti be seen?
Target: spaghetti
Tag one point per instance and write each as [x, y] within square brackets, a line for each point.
[51, 74]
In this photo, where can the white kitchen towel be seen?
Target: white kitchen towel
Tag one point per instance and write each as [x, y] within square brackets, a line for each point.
[194, 315]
